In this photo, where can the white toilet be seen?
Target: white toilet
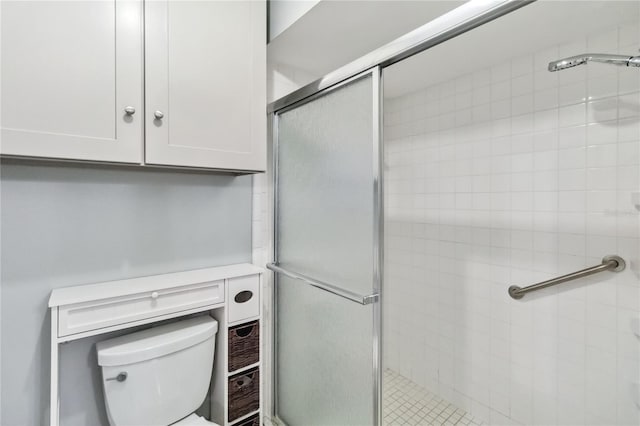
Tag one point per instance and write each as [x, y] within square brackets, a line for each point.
[159, 376]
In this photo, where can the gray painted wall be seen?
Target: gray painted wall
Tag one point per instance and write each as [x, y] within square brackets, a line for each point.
[63, 225]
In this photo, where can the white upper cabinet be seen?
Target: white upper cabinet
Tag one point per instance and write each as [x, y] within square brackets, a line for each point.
[85, 80]
[69, 70]
[206, 84]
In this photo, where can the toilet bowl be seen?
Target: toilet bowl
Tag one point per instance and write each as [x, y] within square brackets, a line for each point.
[159, 376]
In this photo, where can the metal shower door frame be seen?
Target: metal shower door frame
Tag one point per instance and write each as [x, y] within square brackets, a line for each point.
[375, 74]
[470, 15]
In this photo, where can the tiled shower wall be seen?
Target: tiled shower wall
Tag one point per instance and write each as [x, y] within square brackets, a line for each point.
[512, 175]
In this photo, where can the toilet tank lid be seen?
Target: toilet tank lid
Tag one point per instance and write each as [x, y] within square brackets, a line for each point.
[156, 341]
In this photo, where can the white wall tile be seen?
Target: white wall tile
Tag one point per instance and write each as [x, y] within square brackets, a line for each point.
[519, 175]
[572, 93]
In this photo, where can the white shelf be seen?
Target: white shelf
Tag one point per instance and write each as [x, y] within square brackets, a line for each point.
[245, 417]
[104, 290]
[244, 321]
[243, 369]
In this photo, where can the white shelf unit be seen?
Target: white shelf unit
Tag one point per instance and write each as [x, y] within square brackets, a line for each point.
[220, 381]
[129, 303]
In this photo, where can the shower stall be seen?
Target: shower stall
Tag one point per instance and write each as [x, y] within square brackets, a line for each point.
[457, 225]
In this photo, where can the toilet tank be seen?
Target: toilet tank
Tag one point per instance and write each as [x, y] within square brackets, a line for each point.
[160, 375]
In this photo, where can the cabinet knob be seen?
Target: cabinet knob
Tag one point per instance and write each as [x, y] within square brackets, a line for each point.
[158, 115]
[154, 295]
[129, 110]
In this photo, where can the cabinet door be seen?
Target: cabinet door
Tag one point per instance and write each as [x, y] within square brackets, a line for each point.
[206, 79]
[69, 70]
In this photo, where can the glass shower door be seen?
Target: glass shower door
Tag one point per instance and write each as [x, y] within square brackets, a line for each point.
[508, 168]
[327, 230]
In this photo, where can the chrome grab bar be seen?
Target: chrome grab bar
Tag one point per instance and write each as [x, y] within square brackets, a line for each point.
[354, 297]
[609, 263]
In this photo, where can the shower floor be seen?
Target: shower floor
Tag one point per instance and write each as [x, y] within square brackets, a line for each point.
[407, 403]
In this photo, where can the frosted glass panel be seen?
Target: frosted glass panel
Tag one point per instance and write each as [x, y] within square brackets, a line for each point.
[325, 200]
[324, 357]
[325, 188]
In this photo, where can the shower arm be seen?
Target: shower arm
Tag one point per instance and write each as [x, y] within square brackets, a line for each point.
[619, 60]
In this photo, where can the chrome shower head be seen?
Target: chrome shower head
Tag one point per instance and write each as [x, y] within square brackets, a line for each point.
[573, 61]
[563, 64]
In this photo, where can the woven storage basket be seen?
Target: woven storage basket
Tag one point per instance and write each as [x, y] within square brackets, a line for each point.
[244, 393]
[244, 345]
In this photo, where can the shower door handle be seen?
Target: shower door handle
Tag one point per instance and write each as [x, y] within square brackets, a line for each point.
[330, 288]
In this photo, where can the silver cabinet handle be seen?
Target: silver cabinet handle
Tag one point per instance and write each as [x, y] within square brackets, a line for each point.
[129, 110]
[121, 377]
[158, 115]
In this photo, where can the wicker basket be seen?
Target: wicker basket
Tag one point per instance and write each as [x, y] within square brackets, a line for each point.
[244, 345]
[244, 393]
[250, 421]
